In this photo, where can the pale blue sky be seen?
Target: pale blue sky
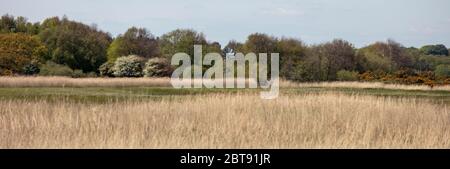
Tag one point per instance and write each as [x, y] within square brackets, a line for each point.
[410, 22]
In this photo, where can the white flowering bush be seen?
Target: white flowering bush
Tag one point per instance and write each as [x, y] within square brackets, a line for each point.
[106, 70]
[157, 67]
[128, 66]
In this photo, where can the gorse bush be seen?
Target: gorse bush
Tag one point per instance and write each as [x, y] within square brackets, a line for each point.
[129, 66]
[157, 67]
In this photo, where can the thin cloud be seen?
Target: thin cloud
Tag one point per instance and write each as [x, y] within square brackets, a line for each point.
[284, 12]
[426, 30]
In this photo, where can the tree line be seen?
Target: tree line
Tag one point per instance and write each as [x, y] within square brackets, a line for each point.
[62, 47]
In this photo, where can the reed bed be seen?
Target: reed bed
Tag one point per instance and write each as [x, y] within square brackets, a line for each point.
[239, 120]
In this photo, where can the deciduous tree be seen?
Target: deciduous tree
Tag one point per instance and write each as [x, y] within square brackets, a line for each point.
[136, 41]
[18, 50]
[75, 44]
[434, 50]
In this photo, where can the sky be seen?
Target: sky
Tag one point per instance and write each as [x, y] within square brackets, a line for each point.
[361, 22]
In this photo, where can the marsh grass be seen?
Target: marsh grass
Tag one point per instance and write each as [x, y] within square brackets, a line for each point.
[227, 120]
[40, 81]
[59, 112]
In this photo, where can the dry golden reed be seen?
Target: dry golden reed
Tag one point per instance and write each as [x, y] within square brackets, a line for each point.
[40, 81]
[239, 120]
[365, 85]
[165, 82]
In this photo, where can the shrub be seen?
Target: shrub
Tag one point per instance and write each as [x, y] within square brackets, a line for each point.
[367, 76]
[52, 69]
[5, 72]
[157, 67]
[345, 75]
[91, 74]
[78, 73]
[128, 66]
[442, 71]
[31, 69]
[404, 73]
[106, 70]
[387, 78]
[446, 81]
[427, 75]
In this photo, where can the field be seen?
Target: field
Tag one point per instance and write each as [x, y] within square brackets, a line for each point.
[57, 112]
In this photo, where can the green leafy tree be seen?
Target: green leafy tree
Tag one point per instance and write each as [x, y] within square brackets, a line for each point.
[21, 24]
[386, 56]
[9, 24]
[232, 48]
[434, 50]
[136, 41]
[292, 53]
[214, 47]
[182, 40]
[74, 44]
[260, 43]
[442, 71]
[372, 61]
[418, 61]
[51, 23]
[326, 59]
